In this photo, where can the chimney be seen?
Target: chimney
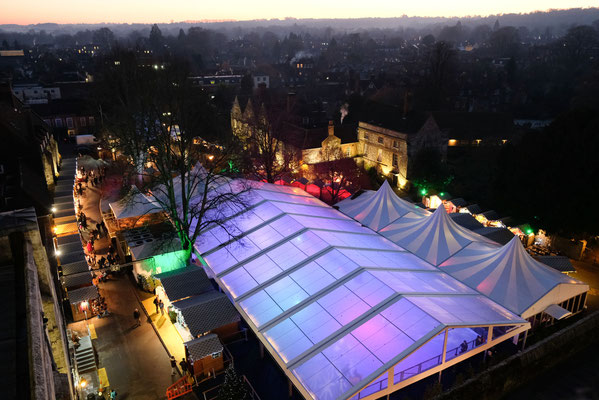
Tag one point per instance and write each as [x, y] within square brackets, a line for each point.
[331, 128]
[290, 101]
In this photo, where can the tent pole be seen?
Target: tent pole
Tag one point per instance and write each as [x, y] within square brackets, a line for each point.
[524, 341]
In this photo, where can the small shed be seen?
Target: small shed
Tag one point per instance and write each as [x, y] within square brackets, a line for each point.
[76, 281]
[205, 354]
[136, 209]
[210, 312]
[498, 235]
[559, 263]
[82, 302]
[466, 220]
[74, 268]
[182, 283]
[472, 209]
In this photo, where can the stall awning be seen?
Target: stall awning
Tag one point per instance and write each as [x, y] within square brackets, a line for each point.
[203, 346]
[557, 312]
[85, 293]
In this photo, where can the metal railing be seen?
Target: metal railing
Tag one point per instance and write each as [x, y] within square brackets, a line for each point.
[417, 369]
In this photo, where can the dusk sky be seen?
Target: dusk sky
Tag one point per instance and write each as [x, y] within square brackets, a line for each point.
[149, 11]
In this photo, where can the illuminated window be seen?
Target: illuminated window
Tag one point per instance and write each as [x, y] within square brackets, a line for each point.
[503, 141]
[379, 157]
[453, 142]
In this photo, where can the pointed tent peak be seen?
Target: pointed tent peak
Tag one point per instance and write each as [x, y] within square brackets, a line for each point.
[440, 210]
[385, 186]
[515, 246]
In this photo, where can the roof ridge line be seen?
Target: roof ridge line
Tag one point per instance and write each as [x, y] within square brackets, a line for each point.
[310, 299]
[283, 273]
[317, 347]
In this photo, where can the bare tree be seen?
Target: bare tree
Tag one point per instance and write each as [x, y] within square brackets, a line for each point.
[269, 154]
[191, 161]
[340, 173]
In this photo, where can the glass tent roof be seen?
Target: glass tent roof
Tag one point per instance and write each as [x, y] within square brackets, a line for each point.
[336, 302]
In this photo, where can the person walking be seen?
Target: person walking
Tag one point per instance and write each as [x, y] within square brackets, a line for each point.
[183, 365]
[113, 394]
[173, 365]
[161, 305]
[136, 317]
[156, 303]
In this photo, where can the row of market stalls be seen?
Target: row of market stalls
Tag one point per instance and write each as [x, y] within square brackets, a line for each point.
[344, 311]
[487, 223]
[74, 272]
[507, 274]
[201, 315]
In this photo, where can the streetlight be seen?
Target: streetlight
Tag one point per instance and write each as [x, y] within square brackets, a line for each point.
[84, 306]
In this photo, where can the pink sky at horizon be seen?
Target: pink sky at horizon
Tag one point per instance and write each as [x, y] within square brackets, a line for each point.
[25, 12]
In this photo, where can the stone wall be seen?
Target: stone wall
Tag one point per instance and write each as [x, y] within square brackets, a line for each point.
[497, 381]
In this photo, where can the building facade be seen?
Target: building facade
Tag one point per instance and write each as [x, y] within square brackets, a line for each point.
[384, 149]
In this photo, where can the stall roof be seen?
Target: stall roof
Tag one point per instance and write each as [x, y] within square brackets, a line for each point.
[434, 238]
[380, 209]
[203, 346]
[74, 268]
[459, 202]
[508, 275]
[466, 220]
[498, 235]
[72, 257]
[185, 282]
[559, 263]
[134, 204]
[474, 209]
[74, 238]
[207, 311]
[335, 303]
[85, 293]
[75, 280]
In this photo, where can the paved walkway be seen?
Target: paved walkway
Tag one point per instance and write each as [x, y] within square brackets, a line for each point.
[133, 358]
[169, 334]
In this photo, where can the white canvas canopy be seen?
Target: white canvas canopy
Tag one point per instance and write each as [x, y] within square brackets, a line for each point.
[378, 209]
[434, 238]
[135, 204]
[512, 278]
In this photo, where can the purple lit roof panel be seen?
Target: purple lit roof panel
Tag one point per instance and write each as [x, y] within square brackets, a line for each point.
[336, 264]
[387, 259]
[220, 260]
[312, 211]
[286, 255]
[309, 243]
[286, 225]
[238, 282]
[312, 278]
[321, 378]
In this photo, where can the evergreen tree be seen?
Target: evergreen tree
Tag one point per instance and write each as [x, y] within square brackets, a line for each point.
[233, 388]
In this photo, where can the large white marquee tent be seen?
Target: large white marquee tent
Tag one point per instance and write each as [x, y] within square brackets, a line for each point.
[507, 274]
[345, 312]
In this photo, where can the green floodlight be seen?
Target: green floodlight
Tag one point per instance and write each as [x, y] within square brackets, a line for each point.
[442, 194]
[423, 191]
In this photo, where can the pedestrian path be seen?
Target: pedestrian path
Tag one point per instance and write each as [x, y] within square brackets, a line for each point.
[131, 359]
[167, 331]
